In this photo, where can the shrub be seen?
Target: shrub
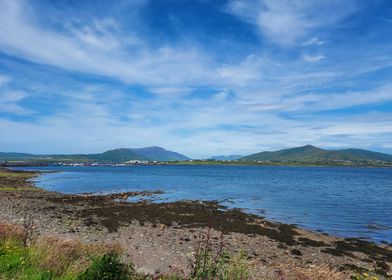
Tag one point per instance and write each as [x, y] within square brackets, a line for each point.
[107, 267]
[47, 258]
[222, 265]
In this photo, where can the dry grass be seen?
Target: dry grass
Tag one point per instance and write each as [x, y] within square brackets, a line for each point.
[15, 189]
[12, 231]
[15, 174]
[71, 256]
[64, 256]
[314, 272]
[322, 272]
[56, 254]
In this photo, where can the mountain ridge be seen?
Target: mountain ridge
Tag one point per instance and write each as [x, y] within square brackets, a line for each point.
[311, 153]
[153, 153]
[305, 154]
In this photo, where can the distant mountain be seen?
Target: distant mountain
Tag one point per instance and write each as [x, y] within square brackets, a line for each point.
[116, 155]
[311, 153]
[224, 158]
[16, 155]
[111, 156]
[159, 154]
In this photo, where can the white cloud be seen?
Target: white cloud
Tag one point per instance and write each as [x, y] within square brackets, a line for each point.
[205, 121]
[103, 35]
[313, 58]
[313, 41]
[4, 80]
[9, 99]
[171, 91]
[101, 130]
[93, 49]
[286, 22]
[243, 102]
[317, 102]
[9, 103]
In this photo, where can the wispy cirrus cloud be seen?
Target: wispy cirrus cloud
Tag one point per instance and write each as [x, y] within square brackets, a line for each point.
[86, 83]
[97, 48]
[316, 102]
[9, 102]
[313, 58]
[4, 80]
[313, 41]
[288, 22]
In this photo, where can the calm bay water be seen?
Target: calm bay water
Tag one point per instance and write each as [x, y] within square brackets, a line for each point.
[341, 201]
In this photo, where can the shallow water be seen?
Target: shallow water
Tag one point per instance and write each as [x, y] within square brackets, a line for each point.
[350, 202]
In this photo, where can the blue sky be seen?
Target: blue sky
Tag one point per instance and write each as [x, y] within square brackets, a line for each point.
[200, 77]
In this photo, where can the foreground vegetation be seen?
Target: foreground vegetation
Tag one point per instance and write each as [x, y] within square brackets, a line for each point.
[24, 255]
[49, 258]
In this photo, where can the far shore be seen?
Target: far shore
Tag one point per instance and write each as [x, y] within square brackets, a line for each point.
[11, 164]
[163, 237]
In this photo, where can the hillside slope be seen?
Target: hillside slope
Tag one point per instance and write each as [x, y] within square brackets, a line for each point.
[311, 153]
[159, 154]
[111, 156]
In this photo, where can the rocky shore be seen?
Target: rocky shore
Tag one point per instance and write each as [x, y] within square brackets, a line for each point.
[163, 237]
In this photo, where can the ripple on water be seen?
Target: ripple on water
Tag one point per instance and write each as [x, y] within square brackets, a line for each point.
[341, 201]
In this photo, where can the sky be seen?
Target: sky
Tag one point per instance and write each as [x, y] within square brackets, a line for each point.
[200, 77]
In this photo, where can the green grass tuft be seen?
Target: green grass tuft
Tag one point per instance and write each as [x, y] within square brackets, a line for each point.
[107, 267]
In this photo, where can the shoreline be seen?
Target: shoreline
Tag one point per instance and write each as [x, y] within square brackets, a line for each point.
[148, 194]
[147, 231]
[209, 163]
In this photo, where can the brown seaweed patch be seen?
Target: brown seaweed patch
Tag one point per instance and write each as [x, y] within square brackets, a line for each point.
[311, 243]
[368, 248]
[373, 252]
[188, 214]
[382, 268]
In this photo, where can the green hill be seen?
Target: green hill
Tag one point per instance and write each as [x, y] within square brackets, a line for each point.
[16, 156]
[111, 156]
[158, 153]
[312, 154]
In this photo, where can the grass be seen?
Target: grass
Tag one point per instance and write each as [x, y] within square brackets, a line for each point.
[220, 265]
[10, 174]
[107, 267]
[50, 258]
[16, 181]
[65, 260]
[46, 258]
[290, 271]
[19, 189]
